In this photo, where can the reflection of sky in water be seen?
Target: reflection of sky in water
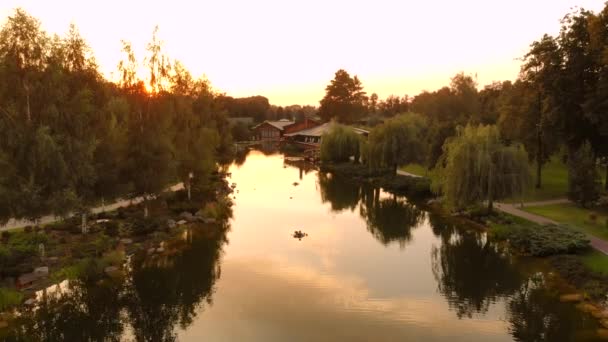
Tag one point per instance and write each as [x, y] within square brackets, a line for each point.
[338, 283]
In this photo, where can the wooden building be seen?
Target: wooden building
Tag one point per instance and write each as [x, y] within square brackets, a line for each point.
[271, 130]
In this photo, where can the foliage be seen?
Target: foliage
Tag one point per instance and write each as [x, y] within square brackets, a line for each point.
[339, 144]
[70, 137]
[9, 298]
[584, 185]
[344, 99]
[476, 166]
[240, 132]
[414, 187]
[397, 141]
[547, 240]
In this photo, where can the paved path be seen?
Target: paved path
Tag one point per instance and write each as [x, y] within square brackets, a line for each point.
[405, 173]
[13, 224]
[597, 243]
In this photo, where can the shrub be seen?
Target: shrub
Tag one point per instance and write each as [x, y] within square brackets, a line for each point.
[545, 240]
[112, 228]
[144, 226]
[584, 185]
[593, 217]
[9, 298]
[5, 236]
[411, 186]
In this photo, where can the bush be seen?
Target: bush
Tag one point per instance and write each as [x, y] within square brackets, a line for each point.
[544, 240]
[145, 226]
[410, 186]
[593, 217]
[112, 228]
[584, 184]
[9, 298]
[5, 236]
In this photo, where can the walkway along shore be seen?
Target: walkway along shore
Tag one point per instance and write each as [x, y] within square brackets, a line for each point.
[597, 243]
[121, 203]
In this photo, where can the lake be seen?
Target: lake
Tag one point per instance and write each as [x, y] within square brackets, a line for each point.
[373, 267]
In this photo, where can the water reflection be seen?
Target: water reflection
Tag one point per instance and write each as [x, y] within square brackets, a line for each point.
[472, 272]
[339, 284]
[158, 295]
[82, 312]
[339, 192]
[535, 315]
[389, 219]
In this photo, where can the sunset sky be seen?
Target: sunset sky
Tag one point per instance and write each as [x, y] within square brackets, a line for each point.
[288, 51]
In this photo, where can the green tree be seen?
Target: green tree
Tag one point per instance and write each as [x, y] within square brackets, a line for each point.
[398, 141]
[339, 144]
[541, 70]
[583, 179]
[344, 99]
[476, 166]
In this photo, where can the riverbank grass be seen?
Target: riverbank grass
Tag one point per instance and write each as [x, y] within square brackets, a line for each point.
[590, 221]
[554, 177]
[596, 261]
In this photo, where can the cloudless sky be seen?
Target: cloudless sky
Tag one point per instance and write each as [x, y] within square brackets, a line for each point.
[288, 51]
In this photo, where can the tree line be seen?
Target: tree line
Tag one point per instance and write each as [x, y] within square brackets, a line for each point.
[558, 102]
[70, 138]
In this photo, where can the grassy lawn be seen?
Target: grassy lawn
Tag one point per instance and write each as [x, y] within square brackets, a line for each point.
[554, 182]
[415, 169]
[596, 261]
[574, 216]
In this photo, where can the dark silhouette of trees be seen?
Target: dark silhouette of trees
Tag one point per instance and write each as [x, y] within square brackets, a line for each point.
[344, 99]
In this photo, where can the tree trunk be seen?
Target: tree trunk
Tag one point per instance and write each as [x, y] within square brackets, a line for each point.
[539, 147]
[145, 208]
[606, 180]
[395, 169]
[539, 166]
[83, 226]
[189, 189]
[490, 206]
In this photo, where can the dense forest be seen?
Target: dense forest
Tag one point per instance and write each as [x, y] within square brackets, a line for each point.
[70, 138]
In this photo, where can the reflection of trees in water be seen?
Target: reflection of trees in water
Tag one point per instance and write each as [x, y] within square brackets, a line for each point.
[473, 272]
[534, 314]
[83, 312]
[302, 165]
[240, 157]
[154, 299]
[389, 219]
[339, 192]
[161, 296]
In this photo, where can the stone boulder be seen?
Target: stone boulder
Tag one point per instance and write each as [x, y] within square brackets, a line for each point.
[186, 216]
[41, 271]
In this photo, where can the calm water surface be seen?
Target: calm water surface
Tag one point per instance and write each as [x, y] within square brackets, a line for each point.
[372, 268]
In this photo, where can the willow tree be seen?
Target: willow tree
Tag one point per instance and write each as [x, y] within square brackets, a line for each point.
[397, 142]
[476, 166]
[339, 144]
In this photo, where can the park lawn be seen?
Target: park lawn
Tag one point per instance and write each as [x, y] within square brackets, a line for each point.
[570, 214]
[415, 169]
[596, 261]
[554, 182]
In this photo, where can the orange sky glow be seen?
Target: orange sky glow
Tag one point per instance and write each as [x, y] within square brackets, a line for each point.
[289, 50]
